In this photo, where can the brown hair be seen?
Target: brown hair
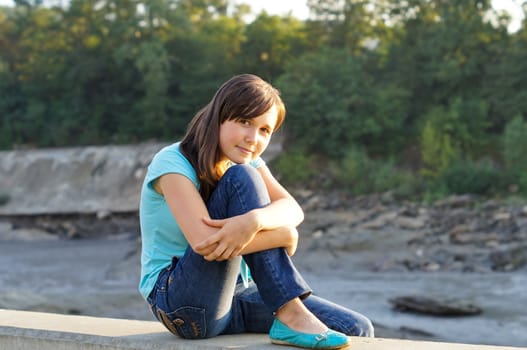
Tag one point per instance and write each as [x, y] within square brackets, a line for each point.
[243, 96]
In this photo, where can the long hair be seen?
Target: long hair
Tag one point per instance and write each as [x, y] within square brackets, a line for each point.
[243, 96]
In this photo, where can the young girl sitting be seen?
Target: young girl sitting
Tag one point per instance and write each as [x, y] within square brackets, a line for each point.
[218, 231]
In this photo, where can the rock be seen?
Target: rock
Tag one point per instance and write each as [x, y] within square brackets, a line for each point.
[490, 204]
[508, 260]
[26, 234]
[312, 203]
[380, 221]
[103, 214]
[432, 266]
[410, 223]
[317, 234]
[457, 230]
[434, 306]
[475, 238]
[502, 216]
[456, 201]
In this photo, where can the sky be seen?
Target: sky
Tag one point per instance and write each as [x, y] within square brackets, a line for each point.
[299, 9]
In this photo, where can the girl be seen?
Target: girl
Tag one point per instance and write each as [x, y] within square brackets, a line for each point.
[218, 231]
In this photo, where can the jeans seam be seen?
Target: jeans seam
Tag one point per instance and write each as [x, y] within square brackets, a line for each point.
[342, 326]
[240, 198]
[283, 291]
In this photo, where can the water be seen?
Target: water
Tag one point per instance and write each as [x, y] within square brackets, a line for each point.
[99, 277]
[502, 297]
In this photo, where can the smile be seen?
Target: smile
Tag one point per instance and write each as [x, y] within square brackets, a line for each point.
[245, 150]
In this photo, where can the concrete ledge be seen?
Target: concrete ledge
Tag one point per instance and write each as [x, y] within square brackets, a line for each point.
[43, 331]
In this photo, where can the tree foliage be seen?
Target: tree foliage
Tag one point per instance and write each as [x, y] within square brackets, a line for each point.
[421, 83]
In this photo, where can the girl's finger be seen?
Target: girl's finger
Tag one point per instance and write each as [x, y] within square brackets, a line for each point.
[213, 222]
[214, 239]
[206, 250]
[225, 256]
[216, 253]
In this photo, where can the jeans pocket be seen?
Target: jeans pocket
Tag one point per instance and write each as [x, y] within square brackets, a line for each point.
[188, 322]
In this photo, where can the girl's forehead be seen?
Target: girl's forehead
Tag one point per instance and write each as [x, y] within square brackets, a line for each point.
[269, 117]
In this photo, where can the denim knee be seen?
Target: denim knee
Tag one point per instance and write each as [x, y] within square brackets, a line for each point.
[239, 190]
[358, 325]
[243, 173]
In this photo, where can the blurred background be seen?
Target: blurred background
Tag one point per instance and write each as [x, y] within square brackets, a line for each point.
[426, 97]
[405, 142]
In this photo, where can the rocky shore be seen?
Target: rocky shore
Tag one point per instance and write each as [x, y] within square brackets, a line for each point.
[459, 233]
[363, 252]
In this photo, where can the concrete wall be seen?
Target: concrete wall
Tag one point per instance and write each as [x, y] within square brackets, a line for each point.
[78, 180]
[41, 331]
[73, 180]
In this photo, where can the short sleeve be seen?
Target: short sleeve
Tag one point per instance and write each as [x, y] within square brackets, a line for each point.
[170, 160]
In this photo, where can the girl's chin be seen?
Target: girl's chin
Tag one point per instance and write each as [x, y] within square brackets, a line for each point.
[239, 161]
[240, 158]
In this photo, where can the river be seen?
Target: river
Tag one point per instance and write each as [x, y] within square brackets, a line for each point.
[98, 277]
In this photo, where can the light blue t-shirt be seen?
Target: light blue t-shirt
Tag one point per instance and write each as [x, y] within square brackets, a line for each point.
[161, 235]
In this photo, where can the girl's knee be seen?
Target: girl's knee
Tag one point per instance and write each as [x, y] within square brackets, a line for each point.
[245, 178]
[242, 171]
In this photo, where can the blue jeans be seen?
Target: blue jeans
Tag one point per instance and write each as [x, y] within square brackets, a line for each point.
[195, 298]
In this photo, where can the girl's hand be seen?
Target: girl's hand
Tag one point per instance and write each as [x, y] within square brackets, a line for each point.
[234, 234]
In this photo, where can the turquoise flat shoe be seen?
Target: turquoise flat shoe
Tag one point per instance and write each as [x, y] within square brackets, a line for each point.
[283, 335]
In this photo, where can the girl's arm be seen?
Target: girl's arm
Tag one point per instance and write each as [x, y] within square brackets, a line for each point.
[231, 236]
[284, 210]
[274, 221]
[281, 237]
[187, 207]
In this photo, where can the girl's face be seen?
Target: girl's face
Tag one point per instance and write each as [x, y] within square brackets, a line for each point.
[242, 140]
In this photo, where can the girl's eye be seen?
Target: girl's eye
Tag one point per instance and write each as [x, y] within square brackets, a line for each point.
[245, 122]
[266, 130]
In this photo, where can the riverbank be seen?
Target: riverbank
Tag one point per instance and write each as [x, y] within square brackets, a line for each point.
[359, 252]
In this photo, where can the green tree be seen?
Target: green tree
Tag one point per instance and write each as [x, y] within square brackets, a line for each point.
[270, 43]
[515, 146]
[335, 102]
[356, 25]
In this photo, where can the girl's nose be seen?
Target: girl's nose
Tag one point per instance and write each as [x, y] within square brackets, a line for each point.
[251, 137]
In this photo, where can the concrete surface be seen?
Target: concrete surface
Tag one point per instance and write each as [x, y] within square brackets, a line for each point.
[79, 179]
[43, 331]
[73, 180]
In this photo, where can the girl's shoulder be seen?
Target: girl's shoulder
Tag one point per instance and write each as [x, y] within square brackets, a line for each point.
[170, 159]
[169, 154]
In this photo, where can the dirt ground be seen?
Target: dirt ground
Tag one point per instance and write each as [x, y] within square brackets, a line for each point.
[99, 276]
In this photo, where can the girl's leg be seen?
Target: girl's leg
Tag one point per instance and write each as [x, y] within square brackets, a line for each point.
[256, 317]
[254, 309]
[193, 297]
[279, 283]
[242, 189]
[339, 318]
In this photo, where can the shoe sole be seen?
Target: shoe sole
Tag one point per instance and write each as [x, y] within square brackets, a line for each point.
[281, 342]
